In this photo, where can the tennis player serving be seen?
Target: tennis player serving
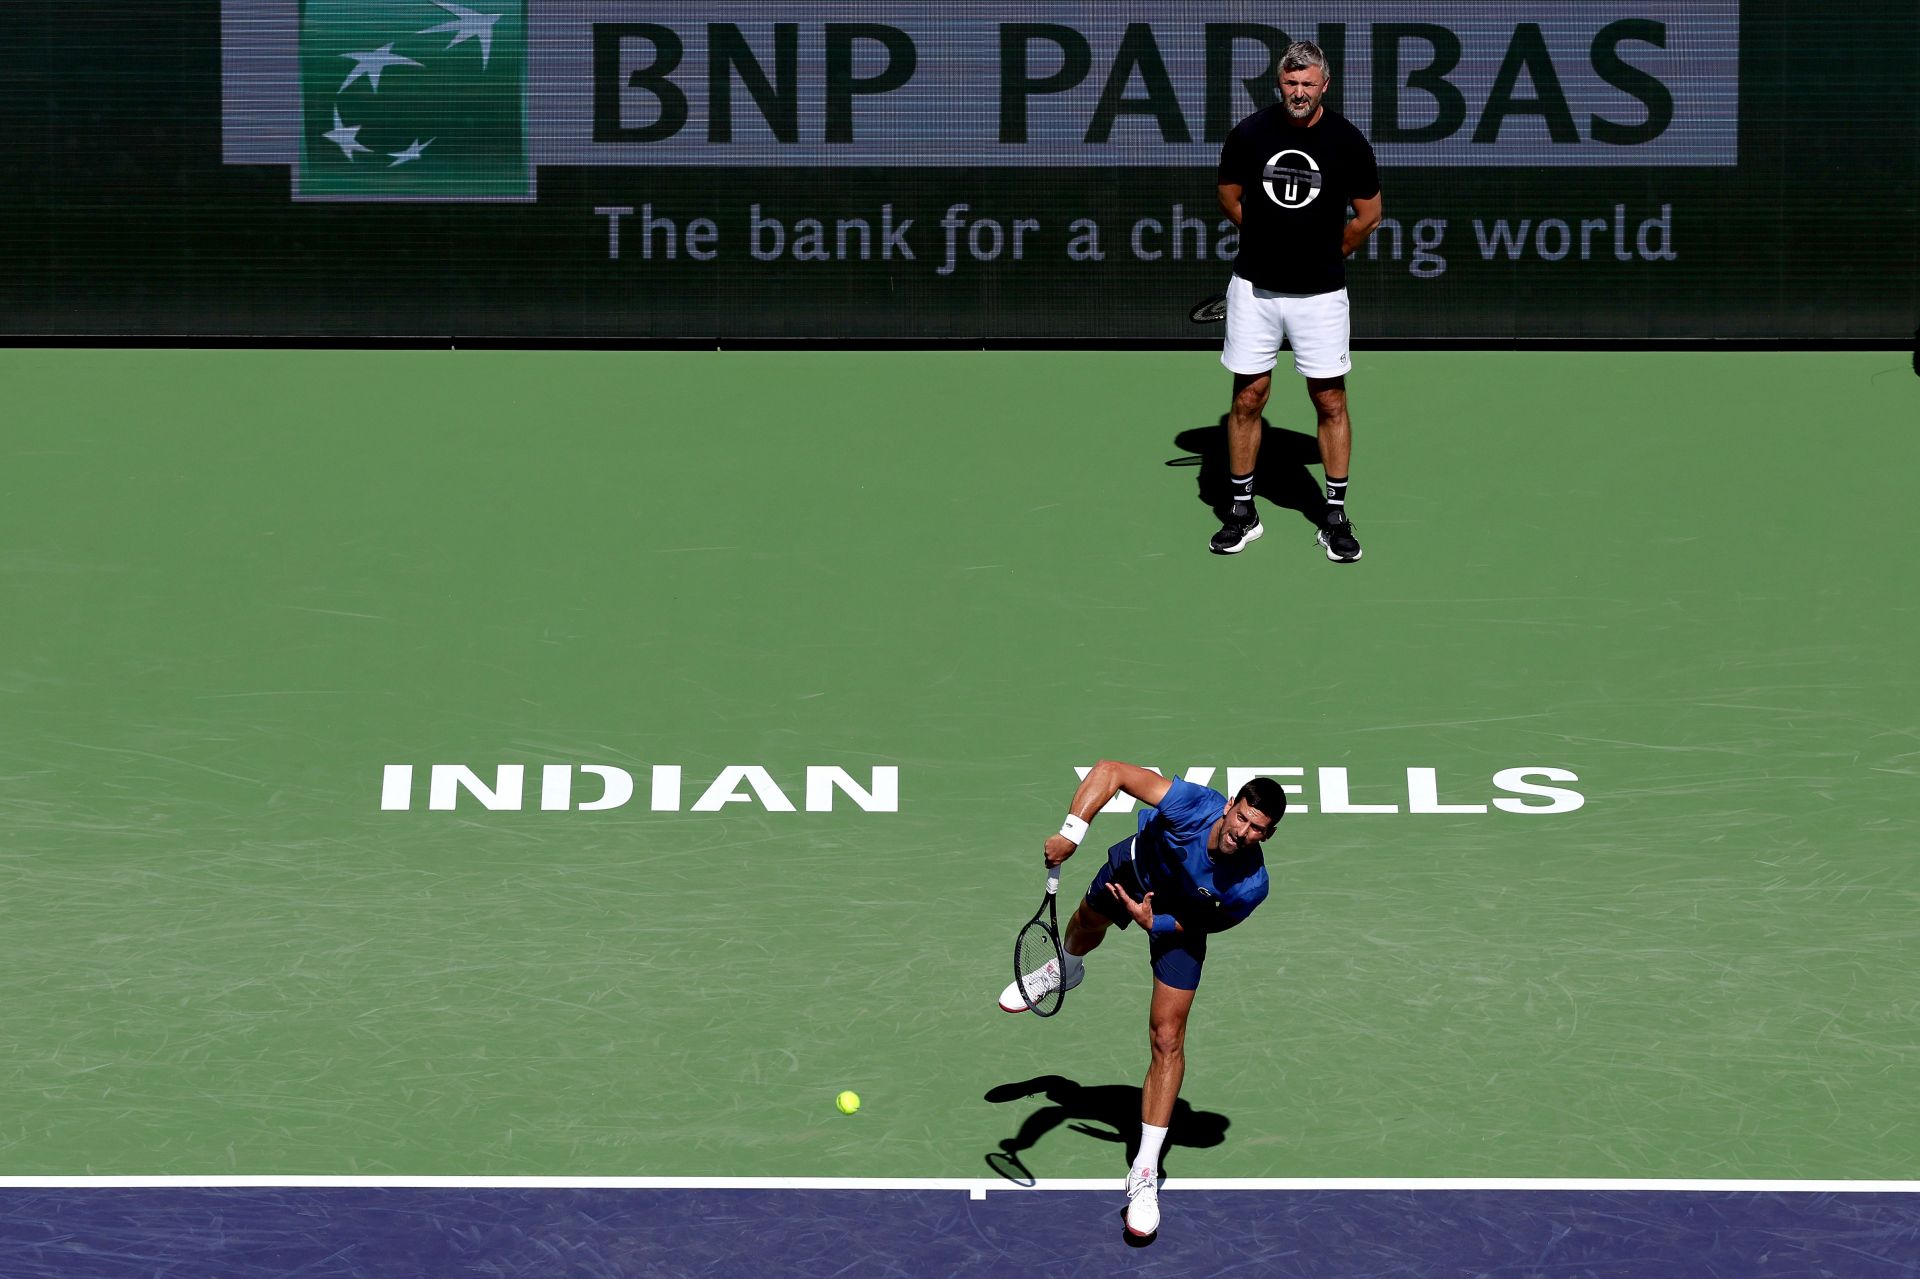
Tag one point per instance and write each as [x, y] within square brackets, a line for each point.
[1192, 868]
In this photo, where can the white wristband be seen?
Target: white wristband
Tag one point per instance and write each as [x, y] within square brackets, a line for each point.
[1074, 829]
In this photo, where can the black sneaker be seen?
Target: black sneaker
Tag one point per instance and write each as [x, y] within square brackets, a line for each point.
[1337, 536]
[1240, 525]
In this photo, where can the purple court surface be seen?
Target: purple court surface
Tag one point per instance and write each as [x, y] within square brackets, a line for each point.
[510, 1233]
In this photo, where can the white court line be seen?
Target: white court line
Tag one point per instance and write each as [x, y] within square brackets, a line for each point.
[977, 1187]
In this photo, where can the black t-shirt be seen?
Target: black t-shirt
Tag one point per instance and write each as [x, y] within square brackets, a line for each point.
[1294, 187]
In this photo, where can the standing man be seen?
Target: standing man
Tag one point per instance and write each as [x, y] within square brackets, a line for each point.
[1287, 174]
[1194, 868]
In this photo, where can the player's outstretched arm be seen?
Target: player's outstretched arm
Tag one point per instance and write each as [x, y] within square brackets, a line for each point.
[1108, 778]
[1103, 781]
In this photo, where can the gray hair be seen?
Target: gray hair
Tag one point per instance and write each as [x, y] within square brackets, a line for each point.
[1302, 54]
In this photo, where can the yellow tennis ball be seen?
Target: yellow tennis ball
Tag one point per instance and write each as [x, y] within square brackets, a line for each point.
[847, 1102]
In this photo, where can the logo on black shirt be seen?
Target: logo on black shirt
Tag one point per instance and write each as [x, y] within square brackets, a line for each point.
[1298, 186]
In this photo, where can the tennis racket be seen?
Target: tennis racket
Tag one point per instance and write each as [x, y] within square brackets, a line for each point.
[1209, 310]
[1037, 958]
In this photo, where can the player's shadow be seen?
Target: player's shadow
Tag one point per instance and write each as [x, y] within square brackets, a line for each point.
[1280, 475]
[1105, 1112]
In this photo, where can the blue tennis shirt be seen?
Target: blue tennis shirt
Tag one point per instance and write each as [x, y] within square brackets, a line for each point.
[1170, 856]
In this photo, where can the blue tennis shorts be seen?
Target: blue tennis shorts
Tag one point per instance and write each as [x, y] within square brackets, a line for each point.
[1177, 957]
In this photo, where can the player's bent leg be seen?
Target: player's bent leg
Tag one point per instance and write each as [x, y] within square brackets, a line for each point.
[1087, 929]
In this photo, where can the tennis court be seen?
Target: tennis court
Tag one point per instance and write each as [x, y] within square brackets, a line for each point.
[1603, 874]
[559, 562]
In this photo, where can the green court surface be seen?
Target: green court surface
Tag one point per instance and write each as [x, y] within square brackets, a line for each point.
[237, 586]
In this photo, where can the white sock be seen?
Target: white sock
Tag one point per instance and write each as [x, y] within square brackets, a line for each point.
[1073, 963]
[1147, 1162]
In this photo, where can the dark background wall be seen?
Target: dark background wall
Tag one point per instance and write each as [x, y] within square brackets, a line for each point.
[119, 218]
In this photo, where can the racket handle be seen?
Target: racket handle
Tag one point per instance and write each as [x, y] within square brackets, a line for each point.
[1053, 880]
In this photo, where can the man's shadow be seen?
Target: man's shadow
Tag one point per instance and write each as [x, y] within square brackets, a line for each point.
[1105, 1112]
[1280, 475]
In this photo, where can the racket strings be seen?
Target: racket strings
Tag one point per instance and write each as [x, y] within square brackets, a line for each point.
[1036, 962]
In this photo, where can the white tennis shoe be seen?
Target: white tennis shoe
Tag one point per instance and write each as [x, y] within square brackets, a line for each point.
[1143, 1203]
[1040, 982]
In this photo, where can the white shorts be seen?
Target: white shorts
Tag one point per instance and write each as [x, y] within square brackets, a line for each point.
[1257, 320]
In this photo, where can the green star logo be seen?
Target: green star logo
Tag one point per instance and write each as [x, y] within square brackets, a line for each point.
[414, 99]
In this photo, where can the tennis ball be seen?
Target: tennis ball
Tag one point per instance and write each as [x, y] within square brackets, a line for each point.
[847, 1102]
